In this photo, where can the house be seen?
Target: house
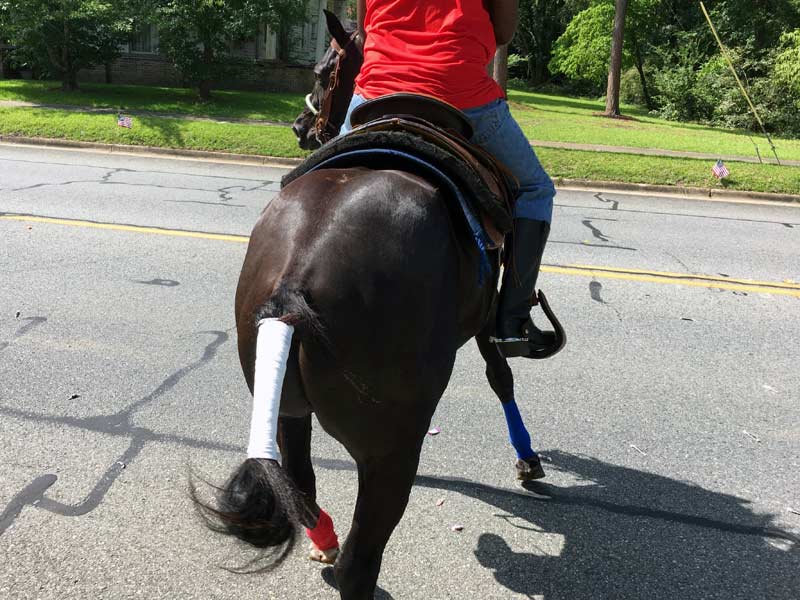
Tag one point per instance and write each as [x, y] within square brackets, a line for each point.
[141, 62]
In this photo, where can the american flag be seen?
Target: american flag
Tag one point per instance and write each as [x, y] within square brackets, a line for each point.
[719, 170]
[123, 121]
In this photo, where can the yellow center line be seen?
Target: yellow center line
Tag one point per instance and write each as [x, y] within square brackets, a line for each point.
[131, 228]
[689, 280]
[599, 272]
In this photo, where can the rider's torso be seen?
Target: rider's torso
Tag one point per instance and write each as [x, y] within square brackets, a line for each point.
[439, 48]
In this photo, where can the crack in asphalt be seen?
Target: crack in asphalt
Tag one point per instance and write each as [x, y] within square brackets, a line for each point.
[224, 193]
[116, 424]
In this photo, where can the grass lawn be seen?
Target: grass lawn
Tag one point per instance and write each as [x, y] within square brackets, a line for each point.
[246, 105]
[150, 131]
[657, 170]
[560, 119]
[279, 141]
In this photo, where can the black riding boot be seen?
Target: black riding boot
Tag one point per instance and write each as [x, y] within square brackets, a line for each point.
[516, 333]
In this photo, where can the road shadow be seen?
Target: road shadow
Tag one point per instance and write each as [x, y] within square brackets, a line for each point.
[329, 578]
[630, 535]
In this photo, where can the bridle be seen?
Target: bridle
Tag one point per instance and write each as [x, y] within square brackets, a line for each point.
[323, 129]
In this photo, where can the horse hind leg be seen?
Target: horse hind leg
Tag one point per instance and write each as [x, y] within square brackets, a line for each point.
[501, 380]
[384, 485]
[294, 438]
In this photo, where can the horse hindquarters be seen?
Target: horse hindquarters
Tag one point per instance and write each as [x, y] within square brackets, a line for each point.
[364, 265]
[383, 283]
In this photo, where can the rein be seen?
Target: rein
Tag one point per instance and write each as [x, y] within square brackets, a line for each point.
[323, 129]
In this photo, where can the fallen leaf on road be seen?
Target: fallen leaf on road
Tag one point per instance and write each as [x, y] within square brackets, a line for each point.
[642, 452]
[74, 396]
[440, 501]
[17, 315]
[769, 388]
[434, 431]
[751, 436]
[457, 527]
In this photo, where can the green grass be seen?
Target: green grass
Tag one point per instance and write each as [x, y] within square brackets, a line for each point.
[657, 170]
[279, 141]
[560, 114]
[245, 105]
[560, 119]
[150, 131]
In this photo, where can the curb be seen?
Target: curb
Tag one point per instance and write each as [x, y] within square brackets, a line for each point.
[251, 159]
[673, 190]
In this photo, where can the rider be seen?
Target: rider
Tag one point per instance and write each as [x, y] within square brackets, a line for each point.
[441, 48]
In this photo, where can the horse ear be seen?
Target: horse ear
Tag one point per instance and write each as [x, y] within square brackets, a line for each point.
[335, 28]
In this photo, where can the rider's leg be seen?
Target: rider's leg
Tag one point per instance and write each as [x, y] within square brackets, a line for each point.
[356, 101]
[497, 132]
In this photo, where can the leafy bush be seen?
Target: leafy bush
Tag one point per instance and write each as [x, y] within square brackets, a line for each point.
[630, 88]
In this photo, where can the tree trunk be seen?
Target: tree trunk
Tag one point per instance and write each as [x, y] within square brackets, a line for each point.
[108, 71]
[69, 78]
[204, 87]
[500, 67]
[204, 90]
[615, 66]
[648, 101]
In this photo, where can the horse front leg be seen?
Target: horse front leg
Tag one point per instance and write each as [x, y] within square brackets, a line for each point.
[501, 380]
[294, 438]
[384, 485]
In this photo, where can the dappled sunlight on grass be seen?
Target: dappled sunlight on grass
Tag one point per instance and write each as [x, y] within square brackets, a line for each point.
[555, 118]
[224, 103]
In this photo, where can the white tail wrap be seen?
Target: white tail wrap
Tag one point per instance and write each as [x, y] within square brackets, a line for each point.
[273, 341]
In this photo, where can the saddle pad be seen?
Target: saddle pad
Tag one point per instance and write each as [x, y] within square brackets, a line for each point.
[472, 186]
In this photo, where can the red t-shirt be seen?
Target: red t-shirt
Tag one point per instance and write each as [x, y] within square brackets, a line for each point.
[439, 48]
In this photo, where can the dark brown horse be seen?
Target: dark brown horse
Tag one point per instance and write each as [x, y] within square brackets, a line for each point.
[377, 288]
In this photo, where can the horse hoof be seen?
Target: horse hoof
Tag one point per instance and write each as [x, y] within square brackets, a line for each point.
[529, 469]
[327, 557]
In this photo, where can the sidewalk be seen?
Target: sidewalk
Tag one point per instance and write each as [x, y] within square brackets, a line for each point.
[534, 143]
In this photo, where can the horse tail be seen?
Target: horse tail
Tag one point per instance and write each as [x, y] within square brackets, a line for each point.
[260, 504]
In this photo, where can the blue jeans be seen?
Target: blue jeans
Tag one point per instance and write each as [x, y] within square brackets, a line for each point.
[498, 133]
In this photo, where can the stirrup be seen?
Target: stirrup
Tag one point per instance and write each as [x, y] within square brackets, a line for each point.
[543, 344]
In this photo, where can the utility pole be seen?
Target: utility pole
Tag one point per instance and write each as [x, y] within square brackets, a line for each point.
[615, 66]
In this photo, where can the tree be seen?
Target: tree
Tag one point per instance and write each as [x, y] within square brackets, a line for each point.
[197, 35]
[615, 64]
[581, 52]
[69, 35]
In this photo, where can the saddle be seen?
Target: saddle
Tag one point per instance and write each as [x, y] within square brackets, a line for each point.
[429, 136]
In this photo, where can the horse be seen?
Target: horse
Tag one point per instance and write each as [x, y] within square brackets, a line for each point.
[356, 291]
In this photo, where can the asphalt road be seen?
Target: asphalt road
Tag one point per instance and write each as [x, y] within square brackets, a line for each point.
[670, 422]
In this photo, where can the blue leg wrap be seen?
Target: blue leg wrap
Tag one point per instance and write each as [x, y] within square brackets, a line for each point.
[520, 438]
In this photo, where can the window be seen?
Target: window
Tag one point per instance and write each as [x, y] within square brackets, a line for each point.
[145, 40]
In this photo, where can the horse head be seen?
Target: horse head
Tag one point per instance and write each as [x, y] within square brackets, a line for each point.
[335, 76]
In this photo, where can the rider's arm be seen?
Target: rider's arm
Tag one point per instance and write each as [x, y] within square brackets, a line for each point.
[504, 14]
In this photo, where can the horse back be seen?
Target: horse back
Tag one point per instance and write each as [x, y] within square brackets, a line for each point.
[372, 256]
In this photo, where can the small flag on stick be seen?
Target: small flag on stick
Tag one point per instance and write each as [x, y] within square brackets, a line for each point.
[123, 121]
[719, 170]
